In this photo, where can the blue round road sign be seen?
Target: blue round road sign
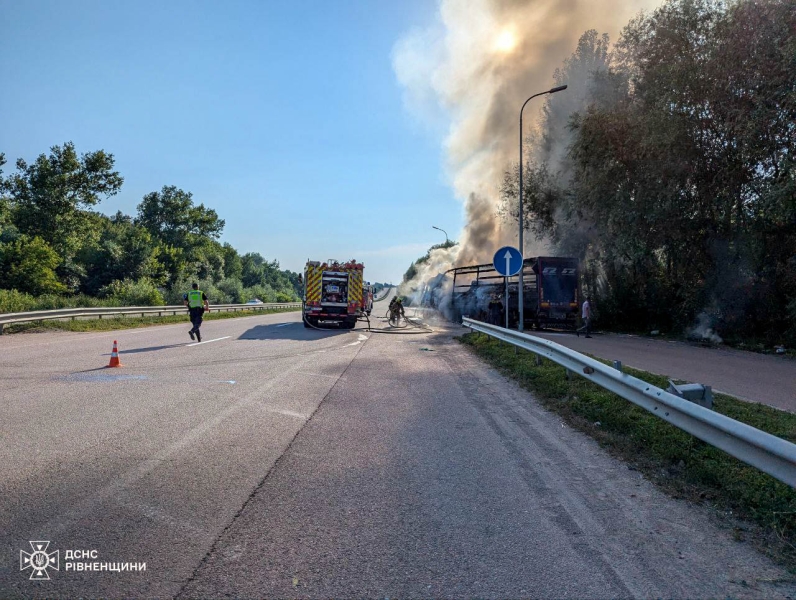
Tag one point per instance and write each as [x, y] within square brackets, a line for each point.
[507, 261]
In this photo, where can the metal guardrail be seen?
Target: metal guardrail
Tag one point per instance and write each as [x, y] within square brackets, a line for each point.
[382, 296]
[770, 454]
[110, 311]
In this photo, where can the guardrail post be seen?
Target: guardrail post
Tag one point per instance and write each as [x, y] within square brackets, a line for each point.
[538, 360]
[1, 328]
[618, 365]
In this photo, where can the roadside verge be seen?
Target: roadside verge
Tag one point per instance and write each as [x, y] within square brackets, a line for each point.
[682, 465]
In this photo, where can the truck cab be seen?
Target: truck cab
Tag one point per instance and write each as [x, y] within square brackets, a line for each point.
[334, 294]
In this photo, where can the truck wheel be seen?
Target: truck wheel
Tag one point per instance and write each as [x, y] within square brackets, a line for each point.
[349, 324]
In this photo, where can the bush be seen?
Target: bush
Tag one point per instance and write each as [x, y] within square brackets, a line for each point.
[14, 301]
[28, 264]
[215, 295]
[54, 301]
[233, 290]
[133, 293]
[262, 292]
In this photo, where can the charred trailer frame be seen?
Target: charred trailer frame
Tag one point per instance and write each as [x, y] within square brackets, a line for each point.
[550, 290]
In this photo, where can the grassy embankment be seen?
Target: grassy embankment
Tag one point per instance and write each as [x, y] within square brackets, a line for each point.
[758, 507]
[131, 322]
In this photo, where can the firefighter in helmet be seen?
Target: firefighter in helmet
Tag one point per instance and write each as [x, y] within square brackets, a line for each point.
[396, 309]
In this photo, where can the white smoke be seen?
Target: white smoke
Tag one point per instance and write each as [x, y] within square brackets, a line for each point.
[477, 66]
[703, 330]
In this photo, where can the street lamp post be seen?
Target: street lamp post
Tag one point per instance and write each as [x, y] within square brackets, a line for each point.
[520, 283]
[443, 231]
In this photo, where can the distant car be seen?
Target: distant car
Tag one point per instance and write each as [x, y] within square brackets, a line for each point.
[255, 301]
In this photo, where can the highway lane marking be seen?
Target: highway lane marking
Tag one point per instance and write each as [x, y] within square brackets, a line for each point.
[318, 374]
[287, 413]
[208, 341]
[360, 339]
[286, 324]
[157, 514]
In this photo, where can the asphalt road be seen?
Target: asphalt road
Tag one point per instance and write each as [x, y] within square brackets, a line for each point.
[275, 461]
[768, 379]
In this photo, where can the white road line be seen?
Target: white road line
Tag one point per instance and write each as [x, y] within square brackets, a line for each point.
[285, 324]
[156, 513]
[208, 341]
[287, 413]
[319, 374]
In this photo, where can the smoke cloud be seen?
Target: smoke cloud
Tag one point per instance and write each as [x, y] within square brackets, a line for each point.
[476, 66]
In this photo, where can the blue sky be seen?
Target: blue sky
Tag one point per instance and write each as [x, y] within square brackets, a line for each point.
[285, 117]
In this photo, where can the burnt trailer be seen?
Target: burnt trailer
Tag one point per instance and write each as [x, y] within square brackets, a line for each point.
[550, 293]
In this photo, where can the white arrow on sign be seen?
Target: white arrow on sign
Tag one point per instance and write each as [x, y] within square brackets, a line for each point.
[507, 256]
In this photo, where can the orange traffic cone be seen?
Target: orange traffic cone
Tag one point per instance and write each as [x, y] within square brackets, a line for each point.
[115, 357]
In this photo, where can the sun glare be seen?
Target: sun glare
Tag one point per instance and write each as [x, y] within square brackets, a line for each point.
[506, 41]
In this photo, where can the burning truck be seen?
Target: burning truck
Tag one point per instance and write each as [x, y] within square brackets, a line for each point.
[550, 293]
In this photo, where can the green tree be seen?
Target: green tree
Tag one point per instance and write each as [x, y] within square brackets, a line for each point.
[170, 215]
[233, 265]
[28, 265]
[49, 196]
[187, 230]
[124, 251]
[252, 269]
[671, 173]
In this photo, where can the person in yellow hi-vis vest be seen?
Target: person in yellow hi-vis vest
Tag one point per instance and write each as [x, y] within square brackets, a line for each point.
[197, 304]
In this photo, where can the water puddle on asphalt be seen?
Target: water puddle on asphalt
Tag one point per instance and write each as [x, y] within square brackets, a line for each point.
[100, 377]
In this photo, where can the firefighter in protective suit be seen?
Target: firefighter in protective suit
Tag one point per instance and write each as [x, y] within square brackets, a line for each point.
[197, 304]
[396, 309]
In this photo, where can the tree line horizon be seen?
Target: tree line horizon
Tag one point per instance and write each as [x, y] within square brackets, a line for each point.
[55, 251]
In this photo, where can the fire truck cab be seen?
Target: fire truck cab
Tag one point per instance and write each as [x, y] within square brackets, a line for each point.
[334, 294]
